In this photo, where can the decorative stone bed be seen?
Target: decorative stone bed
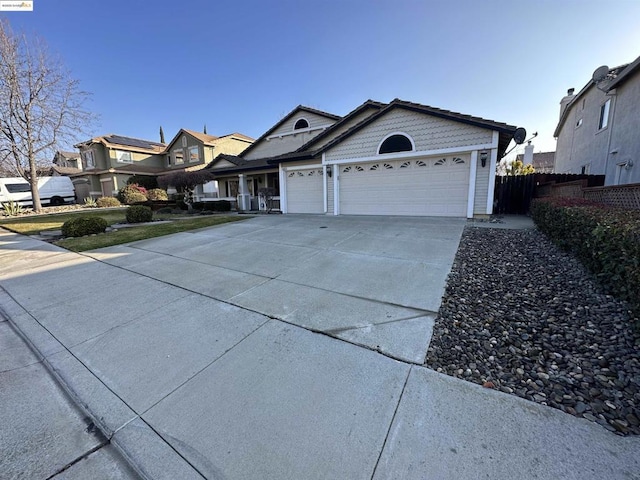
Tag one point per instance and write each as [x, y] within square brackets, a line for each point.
[525, 318]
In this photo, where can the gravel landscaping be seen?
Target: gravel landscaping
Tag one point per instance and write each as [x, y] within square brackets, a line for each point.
[525, 318]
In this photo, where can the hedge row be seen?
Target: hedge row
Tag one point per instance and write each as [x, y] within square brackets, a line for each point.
[605, 239]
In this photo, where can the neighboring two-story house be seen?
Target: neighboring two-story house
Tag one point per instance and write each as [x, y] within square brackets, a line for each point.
[107, 162]
[598, 128]
[110, 160]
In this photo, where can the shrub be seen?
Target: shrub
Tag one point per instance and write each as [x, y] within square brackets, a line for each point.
[145, 181]
[164, 210]
[108, 202]
[139, 214]
[132, 194]
[12, 209]
[181, 205]
[157, 194]
[197, 205]
[605, 239]
[90, 202]
[85, 225]
[219, 206]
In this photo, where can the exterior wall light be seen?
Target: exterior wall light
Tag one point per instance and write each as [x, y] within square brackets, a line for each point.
[329, 171]
[483, 158]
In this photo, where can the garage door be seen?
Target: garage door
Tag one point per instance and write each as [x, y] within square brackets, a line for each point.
[422, 186]
[304, 191]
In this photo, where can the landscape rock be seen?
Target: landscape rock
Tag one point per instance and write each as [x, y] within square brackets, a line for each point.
[534, 323]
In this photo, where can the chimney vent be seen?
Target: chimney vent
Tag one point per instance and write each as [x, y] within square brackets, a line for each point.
[570, 91]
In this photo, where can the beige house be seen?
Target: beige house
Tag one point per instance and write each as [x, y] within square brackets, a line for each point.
[110, 160]
[190, 150]
[107, 162]
[399, 158]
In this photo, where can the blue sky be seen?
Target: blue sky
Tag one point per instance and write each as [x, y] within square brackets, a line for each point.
[242, 65]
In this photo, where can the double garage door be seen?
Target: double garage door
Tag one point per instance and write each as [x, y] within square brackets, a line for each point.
[421, 186]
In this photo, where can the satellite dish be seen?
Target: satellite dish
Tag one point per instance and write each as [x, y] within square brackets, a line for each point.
[519, 135]
[600, 74]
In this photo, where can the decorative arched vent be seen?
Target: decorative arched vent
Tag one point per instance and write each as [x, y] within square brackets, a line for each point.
[396, 143]
[458, 160]
[300, 124]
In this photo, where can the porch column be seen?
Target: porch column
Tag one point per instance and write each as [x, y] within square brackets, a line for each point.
[244, 198]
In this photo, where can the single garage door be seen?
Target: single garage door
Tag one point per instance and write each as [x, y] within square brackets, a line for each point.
[304, 191]
[422, 186]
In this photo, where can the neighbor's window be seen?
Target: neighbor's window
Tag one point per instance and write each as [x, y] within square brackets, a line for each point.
[302, 123]
[194, 154]
[604, 115]
[396, 143]
[88, 160]
[123, 157]
[178, 156]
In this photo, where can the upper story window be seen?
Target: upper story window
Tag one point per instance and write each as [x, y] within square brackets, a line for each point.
[123, 157]
[300, 124]
[178, 156]
[604, 115]
[194, 154]
[88, 160]
[396, 143]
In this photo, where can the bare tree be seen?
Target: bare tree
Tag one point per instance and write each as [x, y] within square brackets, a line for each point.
[41, 106]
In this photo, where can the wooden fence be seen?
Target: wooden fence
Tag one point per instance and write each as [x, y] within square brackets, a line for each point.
[513, 193]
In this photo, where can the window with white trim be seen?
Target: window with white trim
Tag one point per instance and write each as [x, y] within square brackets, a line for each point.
[300, 124]
[604, 115]
[396, 143]
[88, 160]
[178, 156]
[194, 154]
[123, 157]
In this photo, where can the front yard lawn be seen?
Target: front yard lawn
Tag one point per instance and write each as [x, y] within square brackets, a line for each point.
[32, 225]
[132, 234]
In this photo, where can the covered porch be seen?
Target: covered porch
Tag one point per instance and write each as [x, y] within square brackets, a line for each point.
[251, 191]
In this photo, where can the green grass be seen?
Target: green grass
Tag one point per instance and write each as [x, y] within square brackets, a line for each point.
[133, 234]
[34, 224]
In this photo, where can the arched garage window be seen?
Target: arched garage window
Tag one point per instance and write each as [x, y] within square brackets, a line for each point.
[396, 143]
[300, 124]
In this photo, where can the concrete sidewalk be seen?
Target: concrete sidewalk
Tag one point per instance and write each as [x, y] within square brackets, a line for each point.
[44, 434]
[183, 371]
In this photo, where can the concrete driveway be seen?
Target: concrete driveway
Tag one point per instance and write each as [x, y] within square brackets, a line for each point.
[283, 347]
[373, 281]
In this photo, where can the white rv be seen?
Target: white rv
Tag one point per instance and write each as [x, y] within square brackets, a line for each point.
[53, 191]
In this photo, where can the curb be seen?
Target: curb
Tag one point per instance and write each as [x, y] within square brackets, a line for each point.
[139, 444]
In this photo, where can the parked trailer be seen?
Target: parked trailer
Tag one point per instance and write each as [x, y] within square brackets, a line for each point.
[53, 191]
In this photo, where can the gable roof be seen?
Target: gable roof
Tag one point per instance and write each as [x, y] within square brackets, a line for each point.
[124, 143]
[614, 78]
[336, 126]
[299, 108]
[506, 131]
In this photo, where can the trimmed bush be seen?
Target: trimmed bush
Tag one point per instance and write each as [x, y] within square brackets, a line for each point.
[157, 194]
[139, 214]
[218, 206]
[132, 194]
[166, 210]
[108, 202]
[606, 240]
[81, 226]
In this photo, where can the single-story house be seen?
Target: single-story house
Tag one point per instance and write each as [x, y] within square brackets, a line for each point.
[399, 158]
